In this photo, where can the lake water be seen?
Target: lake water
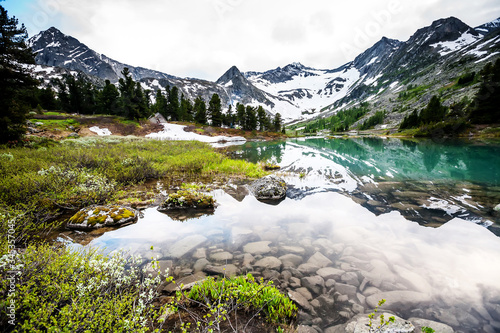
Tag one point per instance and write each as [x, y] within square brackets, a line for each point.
[354, 228]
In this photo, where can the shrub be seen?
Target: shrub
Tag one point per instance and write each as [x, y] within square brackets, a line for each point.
[220, 300]
[60, 290]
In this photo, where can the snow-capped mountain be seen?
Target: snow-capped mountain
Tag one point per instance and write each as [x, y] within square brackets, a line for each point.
[432, 57]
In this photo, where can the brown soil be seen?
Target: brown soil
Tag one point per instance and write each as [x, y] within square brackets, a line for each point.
[112, 123]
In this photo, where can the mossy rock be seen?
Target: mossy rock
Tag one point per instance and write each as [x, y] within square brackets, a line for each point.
[187, 199]
[95, 217]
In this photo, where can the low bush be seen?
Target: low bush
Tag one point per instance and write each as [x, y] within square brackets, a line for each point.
[226, 301]
[59, 290]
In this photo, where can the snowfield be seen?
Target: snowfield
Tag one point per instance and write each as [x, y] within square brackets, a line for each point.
[100, 131]
[176, 132]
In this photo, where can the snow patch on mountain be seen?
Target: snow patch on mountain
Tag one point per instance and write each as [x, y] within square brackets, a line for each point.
[177, 133]
[446, 48]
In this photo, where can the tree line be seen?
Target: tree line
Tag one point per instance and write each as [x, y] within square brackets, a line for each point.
[132, 101]
[20, 93]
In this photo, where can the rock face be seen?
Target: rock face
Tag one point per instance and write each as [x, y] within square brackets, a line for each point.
[269, 188]
[95, 217]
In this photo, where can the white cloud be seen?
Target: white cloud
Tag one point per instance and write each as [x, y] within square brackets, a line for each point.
[203, 38]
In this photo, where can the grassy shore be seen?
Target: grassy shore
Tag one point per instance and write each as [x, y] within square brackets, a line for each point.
[53, 289]
[45, 179]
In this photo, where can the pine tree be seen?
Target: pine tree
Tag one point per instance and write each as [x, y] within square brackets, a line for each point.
[434, 111]
[127, 88]
[410, 121]
[250, 119]
[15, 81]
[141, 102]
[47, 98]
[186, 109]
[160, 105]
[228, 119]
[277, 122]
[486, 106]
[108, 99]
[173, 106]
[200, 110]
[215, 110]
[240, 115]
[263, 119]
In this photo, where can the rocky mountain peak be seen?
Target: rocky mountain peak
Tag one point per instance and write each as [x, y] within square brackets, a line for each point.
[229, 75]
[442, 30]
[380, 50]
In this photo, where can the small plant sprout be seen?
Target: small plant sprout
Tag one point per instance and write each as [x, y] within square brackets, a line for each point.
[383, 322]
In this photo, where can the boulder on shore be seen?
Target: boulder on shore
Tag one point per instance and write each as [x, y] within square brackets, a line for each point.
[269, 188]
[187, 199]
[95, 217]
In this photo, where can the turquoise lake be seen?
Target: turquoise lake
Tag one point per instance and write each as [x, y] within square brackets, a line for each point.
[412, 222]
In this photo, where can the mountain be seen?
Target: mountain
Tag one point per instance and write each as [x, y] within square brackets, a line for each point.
[431, 59]
[489, 27]
[53, 48]
[56, 50]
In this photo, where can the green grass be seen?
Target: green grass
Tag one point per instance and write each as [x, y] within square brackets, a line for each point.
[52, 124]
[40, 184]
[222, 302]
[412, 92]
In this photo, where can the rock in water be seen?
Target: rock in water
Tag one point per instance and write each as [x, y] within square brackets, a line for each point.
[497, 208]
[359, 324]
[269, 188]
[95, 217]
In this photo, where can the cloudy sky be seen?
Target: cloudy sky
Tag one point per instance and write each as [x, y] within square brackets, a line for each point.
[204, 38]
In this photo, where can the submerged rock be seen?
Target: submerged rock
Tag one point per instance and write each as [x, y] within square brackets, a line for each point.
[269, 188]
[95, 217]
[360, 325]
[438, 327]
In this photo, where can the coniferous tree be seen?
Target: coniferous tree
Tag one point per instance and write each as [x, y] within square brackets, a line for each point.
[240, 115]
[486, 105]
[47, 98]
[126, 86]
[108, 99]
[434, 111]
[173, 103]
[133, 100]
[160, 105]
[140, 100]
[410, 121]
[15, 81]
[229, 117]
[262, 118]
[250, 119]
[215, 110]
[200, 110]
[277, 122]
[186, 109]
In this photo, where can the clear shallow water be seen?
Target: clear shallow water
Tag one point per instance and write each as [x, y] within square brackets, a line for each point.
[448, 274]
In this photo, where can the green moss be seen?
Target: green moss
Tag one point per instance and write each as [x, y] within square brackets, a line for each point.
[78, 218]
[189, 199]
[93, 220]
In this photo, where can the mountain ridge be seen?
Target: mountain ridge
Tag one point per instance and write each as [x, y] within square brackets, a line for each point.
[296, 91]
